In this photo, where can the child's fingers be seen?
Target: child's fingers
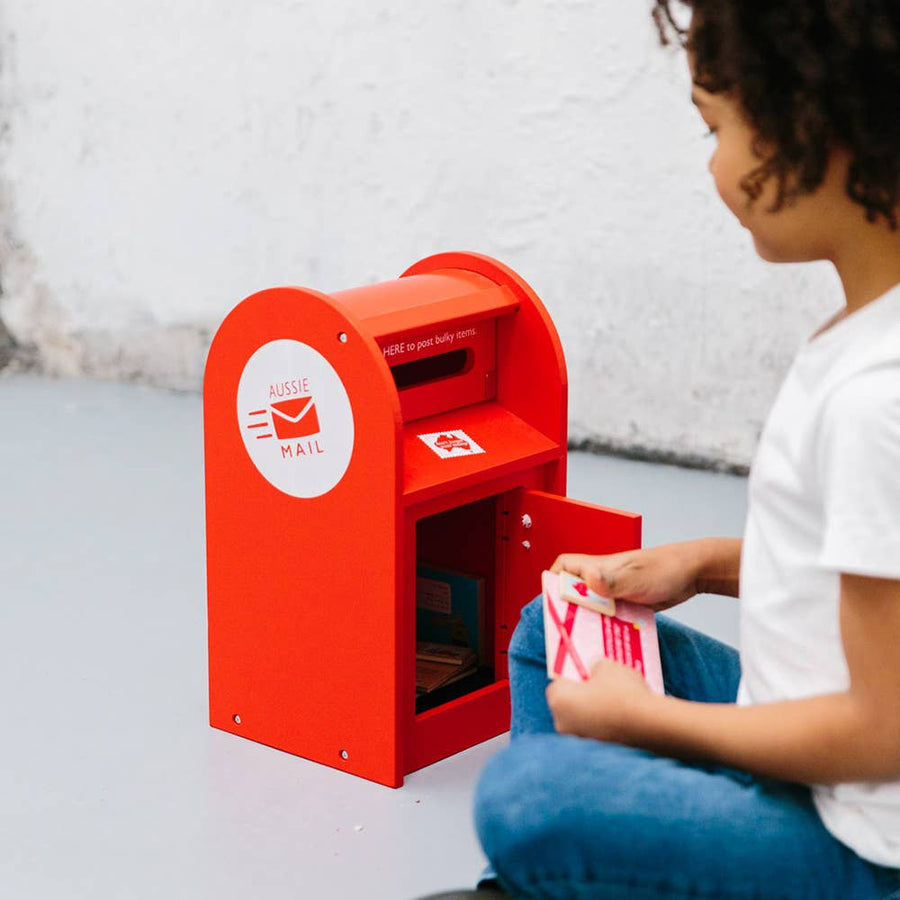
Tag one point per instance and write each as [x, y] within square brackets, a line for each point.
[579, 564]
[598, 572]
[569, 562]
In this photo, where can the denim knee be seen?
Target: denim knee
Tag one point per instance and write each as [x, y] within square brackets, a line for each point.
[518, 816]
[505, 805]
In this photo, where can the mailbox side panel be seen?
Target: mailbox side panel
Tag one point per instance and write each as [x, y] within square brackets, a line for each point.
[302, 590]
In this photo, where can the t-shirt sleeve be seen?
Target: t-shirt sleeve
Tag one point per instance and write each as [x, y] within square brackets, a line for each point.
[859, 475]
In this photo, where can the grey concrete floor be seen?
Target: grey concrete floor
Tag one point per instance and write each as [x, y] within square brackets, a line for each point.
[112, 785]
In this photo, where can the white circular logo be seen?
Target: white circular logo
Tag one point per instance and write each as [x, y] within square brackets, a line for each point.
[295, 418]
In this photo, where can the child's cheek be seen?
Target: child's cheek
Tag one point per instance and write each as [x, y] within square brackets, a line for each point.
[728, 188]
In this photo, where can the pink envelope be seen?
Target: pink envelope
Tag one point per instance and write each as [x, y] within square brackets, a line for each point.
[577, 636]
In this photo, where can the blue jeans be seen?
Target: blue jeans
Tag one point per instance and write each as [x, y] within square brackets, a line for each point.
[567, 817]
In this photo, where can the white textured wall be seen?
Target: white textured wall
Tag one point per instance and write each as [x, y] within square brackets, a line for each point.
[160, 160]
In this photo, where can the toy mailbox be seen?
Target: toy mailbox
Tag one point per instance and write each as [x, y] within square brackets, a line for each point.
[369, 453]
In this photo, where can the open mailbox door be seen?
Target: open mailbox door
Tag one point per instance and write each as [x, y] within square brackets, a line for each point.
[540, 527]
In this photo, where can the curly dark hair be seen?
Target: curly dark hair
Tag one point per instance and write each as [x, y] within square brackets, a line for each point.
[811, 75]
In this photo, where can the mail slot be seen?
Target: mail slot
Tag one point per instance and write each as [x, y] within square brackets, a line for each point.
[372, 456]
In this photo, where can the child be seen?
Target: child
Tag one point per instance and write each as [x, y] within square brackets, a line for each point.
[776, 774]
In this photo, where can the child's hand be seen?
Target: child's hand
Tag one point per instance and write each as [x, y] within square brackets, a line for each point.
[608, 706]
[658, 577]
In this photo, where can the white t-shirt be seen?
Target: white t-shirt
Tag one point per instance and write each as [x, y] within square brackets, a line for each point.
[824, 498]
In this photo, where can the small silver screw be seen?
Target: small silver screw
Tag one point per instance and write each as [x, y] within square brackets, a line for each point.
[526, 521]
[345, 754]
[526, 545]
[342, 337]
[237, 720]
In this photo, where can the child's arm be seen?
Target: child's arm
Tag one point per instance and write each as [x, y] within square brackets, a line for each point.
[661, 577]
[848, 736]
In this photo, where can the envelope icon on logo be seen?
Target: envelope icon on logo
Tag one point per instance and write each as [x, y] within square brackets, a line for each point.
[295, 418]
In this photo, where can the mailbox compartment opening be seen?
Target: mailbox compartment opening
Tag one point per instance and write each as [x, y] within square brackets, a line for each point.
[456, 590]
[449, 366]
[432, 368]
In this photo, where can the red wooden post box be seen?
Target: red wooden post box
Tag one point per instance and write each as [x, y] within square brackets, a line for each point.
[348, 438]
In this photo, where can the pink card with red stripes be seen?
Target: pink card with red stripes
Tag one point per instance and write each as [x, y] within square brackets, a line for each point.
[577, 634]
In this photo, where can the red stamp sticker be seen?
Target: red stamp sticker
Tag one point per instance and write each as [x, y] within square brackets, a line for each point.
[450, 444]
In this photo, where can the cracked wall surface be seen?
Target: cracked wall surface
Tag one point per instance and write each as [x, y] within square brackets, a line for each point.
[162, 160]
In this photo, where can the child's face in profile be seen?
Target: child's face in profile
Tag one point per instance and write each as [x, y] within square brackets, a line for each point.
[804, 229]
